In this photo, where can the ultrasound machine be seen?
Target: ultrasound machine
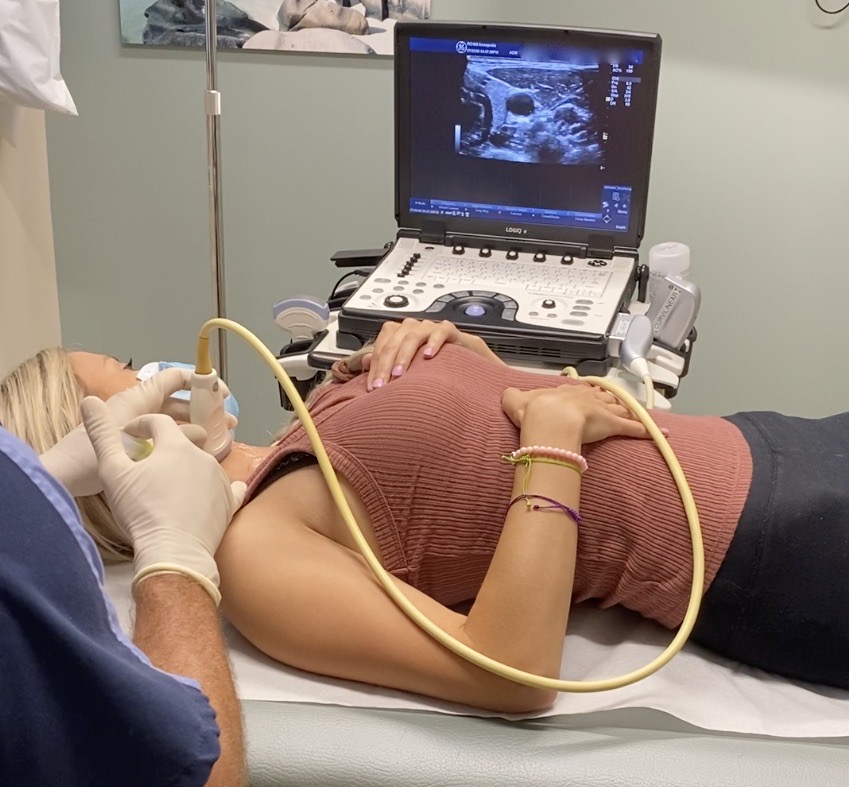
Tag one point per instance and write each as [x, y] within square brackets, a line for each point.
[522, 158]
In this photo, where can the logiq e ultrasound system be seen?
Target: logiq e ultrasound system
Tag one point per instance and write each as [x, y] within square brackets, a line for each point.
[522, 168]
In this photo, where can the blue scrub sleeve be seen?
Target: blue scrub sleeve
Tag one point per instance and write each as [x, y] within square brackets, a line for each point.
[79, 704]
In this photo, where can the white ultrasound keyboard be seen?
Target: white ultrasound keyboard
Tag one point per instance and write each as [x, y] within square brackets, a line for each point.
[521, 300]
[577, 283]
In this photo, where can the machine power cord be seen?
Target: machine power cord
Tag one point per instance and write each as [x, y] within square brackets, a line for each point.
[386, 580]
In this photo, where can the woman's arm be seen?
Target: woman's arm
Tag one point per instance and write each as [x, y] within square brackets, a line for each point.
[315, 605]
[522, 608]
[311, 603]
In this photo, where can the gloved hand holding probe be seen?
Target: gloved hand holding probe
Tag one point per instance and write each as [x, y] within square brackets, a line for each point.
[72, 461]
[174, 505]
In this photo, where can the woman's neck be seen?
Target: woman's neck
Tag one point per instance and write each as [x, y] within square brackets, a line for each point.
[243, 460]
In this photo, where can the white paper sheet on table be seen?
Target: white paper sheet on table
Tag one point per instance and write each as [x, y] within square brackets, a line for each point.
[695, 686]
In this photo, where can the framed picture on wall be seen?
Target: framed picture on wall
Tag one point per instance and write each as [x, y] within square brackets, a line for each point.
[342, 26]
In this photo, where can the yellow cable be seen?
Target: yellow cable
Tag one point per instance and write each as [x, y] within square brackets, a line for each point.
[386, 580]
[649, 386]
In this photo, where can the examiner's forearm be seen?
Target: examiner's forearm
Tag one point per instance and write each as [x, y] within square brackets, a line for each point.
[522, 608]
[177, 626]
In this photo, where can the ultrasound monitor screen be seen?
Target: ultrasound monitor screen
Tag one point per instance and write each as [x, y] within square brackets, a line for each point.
[522, 131]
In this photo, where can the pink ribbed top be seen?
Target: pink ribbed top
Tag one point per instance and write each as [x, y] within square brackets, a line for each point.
[423, 453]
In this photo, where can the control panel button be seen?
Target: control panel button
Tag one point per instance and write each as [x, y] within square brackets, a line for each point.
[513, 254]
[566, 260]
[459, 249]
[485, 251]
[548, 304]
[396, 301]
[539, 256]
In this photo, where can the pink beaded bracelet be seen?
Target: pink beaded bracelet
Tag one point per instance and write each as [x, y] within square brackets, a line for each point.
[551, 452]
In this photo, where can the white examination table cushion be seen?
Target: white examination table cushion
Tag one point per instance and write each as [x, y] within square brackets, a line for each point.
[307, 731]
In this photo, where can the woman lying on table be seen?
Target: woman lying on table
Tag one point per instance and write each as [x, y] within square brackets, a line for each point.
[430, 435]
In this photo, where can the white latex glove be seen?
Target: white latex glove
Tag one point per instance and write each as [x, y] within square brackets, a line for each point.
[178, 406]
[174, 504]
[72, 461]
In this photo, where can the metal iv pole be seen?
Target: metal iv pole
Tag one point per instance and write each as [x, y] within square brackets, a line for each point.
[212, 107]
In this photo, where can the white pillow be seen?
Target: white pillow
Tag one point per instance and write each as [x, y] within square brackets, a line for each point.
[29, 56]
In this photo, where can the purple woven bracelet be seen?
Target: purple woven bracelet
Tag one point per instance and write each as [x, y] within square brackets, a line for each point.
[553, 505]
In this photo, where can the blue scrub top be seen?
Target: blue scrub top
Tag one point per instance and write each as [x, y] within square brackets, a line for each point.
[79, 703]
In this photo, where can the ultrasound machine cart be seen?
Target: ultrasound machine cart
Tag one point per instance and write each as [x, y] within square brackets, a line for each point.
[521, 181]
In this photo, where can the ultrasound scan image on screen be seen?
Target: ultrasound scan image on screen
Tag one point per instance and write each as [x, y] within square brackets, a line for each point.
[530, 112]
[526, 130]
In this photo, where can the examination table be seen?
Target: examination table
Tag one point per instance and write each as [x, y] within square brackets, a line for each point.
[700, 720]
[325, 746]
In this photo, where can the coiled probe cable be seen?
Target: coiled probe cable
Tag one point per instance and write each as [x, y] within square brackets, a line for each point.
[204, 366]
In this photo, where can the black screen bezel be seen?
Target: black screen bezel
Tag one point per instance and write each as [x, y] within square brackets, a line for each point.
[404, 31]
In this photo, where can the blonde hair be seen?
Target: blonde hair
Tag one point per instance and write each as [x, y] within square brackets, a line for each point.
[40, 404]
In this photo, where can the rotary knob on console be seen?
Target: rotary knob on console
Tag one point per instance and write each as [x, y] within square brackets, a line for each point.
[396, 301]
[548, 304]
[408, 266]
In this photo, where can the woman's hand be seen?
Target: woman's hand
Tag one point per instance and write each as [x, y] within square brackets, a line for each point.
[583, 409]
[398, 342]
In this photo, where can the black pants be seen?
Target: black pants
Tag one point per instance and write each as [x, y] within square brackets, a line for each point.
[780, 601]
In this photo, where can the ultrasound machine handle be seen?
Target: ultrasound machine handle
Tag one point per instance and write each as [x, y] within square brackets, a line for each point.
[359, 258]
